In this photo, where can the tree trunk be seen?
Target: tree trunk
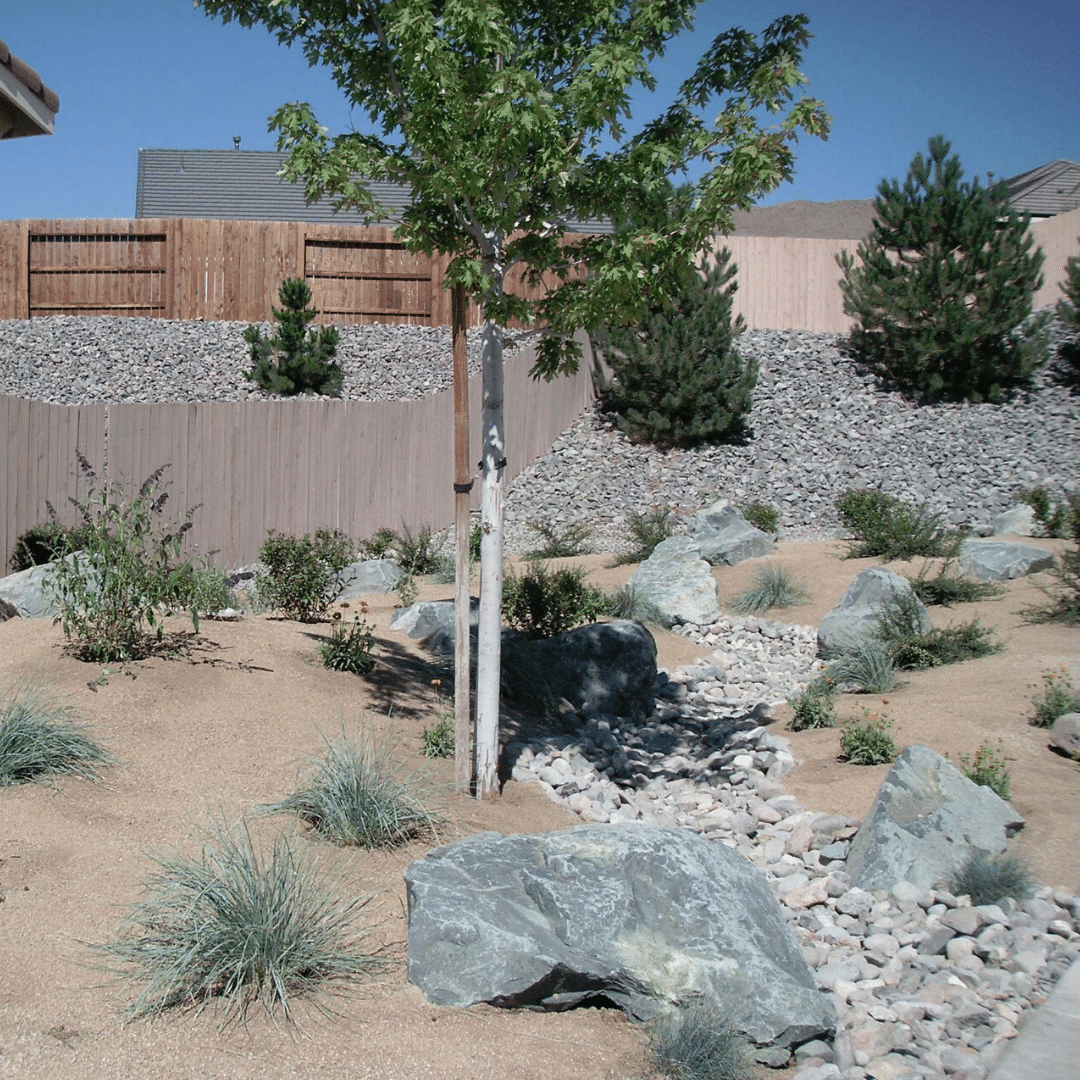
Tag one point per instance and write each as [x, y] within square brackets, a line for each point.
[462, 484]
[489, 643]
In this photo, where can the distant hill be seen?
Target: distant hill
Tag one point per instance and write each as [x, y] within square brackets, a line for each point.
[847, 219]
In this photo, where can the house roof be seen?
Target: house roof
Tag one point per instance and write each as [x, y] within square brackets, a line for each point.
[27, 105]
[1053, 188]
[244, 184]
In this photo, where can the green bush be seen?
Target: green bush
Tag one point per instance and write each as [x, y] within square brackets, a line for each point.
[772, 586]
[419, 552]
[542, 603]
[348, 648]
[646, 531]
[867, 740]
[40, 737]
[899, 631]
[560, 542]
[701, 1042]
[378, 545]
[1064, 594]
[233, 928]
[44, 543]
[988, 879]
[761, 516]
[885, 527]
[863, 667]
[303, 573]
[356, 796]
[943, 290]
[293, 360]
[203, 589]
[815, 707]
[987, 768]
[945, 588]
[111, 595]
[1057, 699]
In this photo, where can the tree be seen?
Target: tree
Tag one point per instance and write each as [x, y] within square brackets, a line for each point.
[1068, 311]
[946, 284]
[495, 113]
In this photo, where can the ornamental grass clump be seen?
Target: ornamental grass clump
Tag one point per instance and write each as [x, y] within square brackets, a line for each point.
[40, 737]
[1064, 594]
[772, 586]
[646, 531]
[987, 879]
[701, 1042]
[864, 666]
[233, 927]
[357, 796]
[628, 603]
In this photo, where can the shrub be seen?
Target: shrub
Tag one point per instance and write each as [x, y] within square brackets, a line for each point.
[348, 648]
[40, 736]
[543, 603]
[701, 1042]
[885, 527]
[945, 589]
[987, 768]
[1057, 699]
[203, 589]
[233, 928]
[899, 631]
[942, 298]
[560, 542]
[356, 796]
[815, 707]
[761, 516]
[419, 552]
[863, 667]
[294, 360]
[303, 573]
[1061, 518]
[867, 740]
[646, 531]
[990, 878]
[44, 543]
[378, 545]
[111, 595]
[437, 740]
[772, 586]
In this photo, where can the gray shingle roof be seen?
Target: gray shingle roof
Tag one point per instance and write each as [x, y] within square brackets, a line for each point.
[1053, 188]
[27, 105]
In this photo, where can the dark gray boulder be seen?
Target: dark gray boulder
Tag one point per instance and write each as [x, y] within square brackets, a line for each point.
[607, 668]
[724, 537]
[998, 560]
[926, 819]
[678, 581]
[648, 918]
[855, 618]
[369, 576]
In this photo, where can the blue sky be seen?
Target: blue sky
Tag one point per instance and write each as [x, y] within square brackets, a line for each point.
[998, 79]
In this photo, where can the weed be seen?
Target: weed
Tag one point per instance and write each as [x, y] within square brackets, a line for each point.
[887, 528]
[628, 603]
[990, 878]
[987, 769]
[303, 573]
[407, 590]
[867, 740]
[357, 796]
[762, 516]
[232, 928]
[1057, 699]
[437, 740]
[900, 631]
[864, 667]
[772, 586]
[543, 603]
[560, 542]
[348, 648]
[39, 736]
[815, 707]
[111, 594]
[476, 534]
[646, 531]
[701, 1042]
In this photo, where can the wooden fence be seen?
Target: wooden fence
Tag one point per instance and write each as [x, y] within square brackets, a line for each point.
[293, 466]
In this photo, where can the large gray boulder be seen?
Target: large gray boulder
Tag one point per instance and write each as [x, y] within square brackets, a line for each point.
[998, 560]
[26, 592]
[1018, 520]
[926, 819]
[724, 537]
[648, 918]
[855, 618]
[433, 623]
[678, 581]
[604, 668]
[1065, 734]
[369, 576]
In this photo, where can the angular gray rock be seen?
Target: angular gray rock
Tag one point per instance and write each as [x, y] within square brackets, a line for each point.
[998, 560]
[646, 917]
[855, 617]
[432, 623]
[27, 594]
[607, 668]
[724, 537]
[678, 581]
[927, 817]
[1016, 521]
[369, 576]
[1065, 734]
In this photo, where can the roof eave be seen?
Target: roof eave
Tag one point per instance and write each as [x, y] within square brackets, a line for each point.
[21, 112]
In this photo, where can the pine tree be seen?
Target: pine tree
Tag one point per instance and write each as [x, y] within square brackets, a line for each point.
[1069, 313]
[679, 381]
[943, 296]
[293, 360]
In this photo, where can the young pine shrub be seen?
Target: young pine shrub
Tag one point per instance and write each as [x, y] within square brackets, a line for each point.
[303, 573]
[542, 603]
[988, 879]
[357, 796]
[867, 740]
[646, 531]
[560, 541]
[1069, 313]
[232, 928]
[772, 586]
[987, 768]
[1057, 699]
[294, 360]
[888, 528]
[348, 648]
[40, 737]
[701, 1042]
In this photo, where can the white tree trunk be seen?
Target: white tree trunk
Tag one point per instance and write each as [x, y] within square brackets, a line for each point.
[489, 643]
